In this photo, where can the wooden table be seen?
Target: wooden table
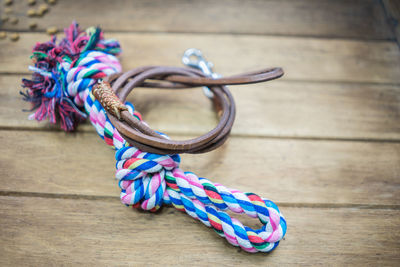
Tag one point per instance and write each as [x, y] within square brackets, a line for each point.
[323, 142]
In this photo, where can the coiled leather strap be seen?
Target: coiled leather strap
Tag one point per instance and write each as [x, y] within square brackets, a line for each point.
[146, 139]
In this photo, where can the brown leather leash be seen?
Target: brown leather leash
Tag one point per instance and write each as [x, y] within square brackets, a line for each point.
[113, 92]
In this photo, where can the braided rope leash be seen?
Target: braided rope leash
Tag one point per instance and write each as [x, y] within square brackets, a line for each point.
[61, 84]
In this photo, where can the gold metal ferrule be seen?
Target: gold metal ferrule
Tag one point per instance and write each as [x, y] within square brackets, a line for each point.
[108, 99]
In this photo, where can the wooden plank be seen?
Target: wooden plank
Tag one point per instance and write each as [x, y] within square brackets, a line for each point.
[350, 19]
[302, 58]
[39, 231]
[293, 171]
[279, 108]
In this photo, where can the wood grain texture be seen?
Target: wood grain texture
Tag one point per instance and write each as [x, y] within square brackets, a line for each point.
[293, 171]
[323, 142]
[73, 232]
[278, 109]
[306, 59]
[359, 19]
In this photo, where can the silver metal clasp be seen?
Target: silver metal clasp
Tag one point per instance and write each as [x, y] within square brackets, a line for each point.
[194, 58]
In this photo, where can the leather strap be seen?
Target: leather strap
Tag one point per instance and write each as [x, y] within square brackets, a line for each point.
[138, 134]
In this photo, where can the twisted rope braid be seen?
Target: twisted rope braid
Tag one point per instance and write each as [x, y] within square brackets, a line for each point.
[149, 180]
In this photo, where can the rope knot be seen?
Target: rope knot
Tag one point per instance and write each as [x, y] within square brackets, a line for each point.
[142, 176]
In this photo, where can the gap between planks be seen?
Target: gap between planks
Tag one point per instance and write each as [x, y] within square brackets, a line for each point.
[300, 36]
[280, 204]
[56, 129]
[287, 80]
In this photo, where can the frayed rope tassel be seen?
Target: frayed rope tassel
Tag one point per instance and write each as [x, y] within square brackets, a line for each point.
[60, 90]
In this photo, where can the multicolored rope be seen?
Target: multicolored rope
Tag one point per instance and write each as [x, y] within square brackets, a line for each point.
[62, 81]
[63, 73]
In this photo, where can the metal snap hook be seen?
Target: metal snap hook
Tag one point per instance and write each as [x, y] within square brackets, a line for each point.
[199, 62]
[188, 56]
